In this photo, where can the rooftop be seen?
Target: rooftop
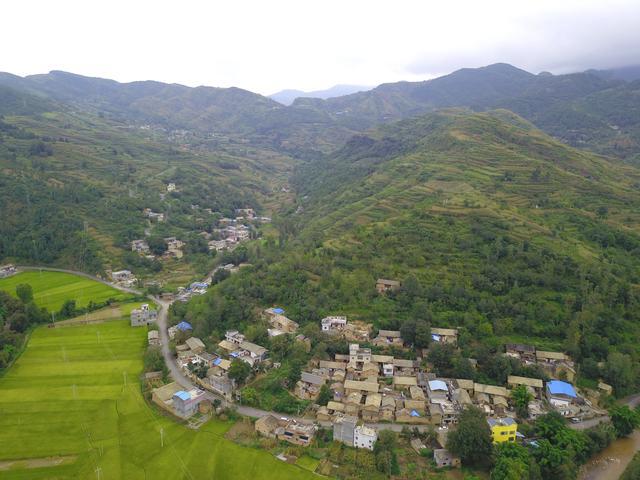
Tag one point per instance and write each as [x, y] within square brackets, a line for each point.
[558, 387]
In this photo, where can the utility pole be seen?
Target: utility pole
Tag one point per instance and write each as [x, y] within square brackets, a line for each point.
[98, 472]
[124, 374]
[161, 437]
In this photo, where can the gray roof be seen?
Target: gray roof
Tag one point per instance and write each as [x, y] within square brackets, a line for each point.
[312, 378]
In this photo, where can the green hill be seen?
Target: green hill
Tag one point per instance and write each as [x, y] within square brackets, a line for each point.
[493, 227]
[74, 184]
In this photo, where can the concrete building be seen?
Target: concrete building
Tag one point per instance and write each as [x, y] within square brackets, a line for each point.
[503, 429]
[364, 437]
[344, 429]
[444, 458]
[7, 270]
[333, 324]
[185, 404]
[143, 316]
[445, 335]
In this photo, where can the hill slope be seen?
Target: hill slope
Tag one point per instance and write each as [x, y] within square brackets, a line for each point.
[493, 227]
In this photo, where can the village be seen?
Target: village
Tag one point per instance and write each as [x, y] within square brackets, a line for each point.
[369, 391]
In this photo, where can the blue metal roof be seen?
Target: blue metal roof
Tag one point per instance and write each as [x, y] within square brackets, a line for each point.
[558, 387]
[278, 310]
[184, 326]
[435, 338]
[438, 385]
[217, 361]
[414, 413]
[182, 395]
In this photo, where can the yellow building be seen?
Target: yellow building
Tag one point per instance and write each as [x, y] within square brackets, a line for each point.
[503, 429]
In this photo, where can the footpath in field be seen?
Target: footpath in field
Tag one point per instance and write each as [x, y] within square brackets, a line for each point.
[74, 394]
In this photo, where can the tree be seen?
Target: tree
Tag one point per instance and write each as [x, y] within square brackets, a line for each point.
[157, 245]
[521, 398]
[68, 309]
[624, 420]
[24, 292]
[325, 395]
[619, 373]
[471, 441]
[239, 371]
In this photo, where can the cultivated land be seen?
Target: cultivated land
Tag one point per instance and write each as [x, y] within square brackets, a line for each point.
[52, 289]
[65, 412]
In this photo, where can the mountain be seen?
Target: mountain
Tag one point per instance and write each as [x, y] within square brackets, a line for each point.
[492, 226]
[74, 183]
[287, 97]
[628, 73]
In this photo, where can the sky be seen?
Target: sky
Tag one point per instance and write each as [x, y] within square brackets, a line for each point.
[267, 46]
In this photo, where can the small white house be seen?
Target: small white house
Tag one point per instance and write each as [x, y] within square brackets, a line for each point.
[364, 437]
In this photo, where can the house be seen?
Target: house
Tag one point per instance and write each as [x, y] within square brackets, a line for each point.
[334, 324]
[387, 338]
[404, 367]
[400, 383]
[384, 285]
[217, 245]
[122, 276]
[151, 215]
[267, 426]
[444, 335]
[282, 323]
[561, 394]
[143, 316]
[444, 458]
[364, 437]
[233, 336]
[7, 270]
[308, 387]
[185, 404]
[360, 386]
[490, 393]
[525, 353]
[344, 429]
[297, 433]
[556, 364]
[437, 390]
[371, 409]
[207, 359]
[184, 326]
[253, 351]
[222, 385]
[604, 388]
[246, 212]
[163, 396]
[171, 187]
[358, 356]
[534, 385]
[153, 337]
[195, 344]
[503, 429]
[140, 246]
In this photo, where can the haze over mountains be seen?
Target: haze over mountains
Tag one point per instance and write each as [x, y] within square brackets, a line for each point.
[287, 97]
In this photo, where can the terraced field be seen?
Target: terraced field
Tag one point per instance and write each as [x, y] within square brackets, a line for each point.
[52, 289]
[71, 407]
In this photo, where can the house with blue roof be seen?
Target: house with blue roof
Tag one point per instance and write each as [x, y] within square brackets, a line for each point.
[184, 326]
[185, 404]
[561, 395]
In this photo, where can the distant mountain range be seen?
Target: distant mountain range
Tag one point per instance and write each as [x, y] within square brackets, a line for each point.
[597, 110]
[287, 97]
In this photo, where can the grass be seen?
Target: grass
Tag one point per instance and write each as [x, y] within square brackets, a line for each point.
[52, 289]
[65, 397]
[307, 462]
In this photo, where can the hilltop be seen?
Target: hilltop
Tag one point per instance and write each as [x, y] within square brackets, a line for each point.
[287, 97]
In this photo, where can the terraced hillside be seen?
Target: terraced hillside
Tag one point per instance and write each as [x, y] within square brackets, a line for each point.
[492, 226]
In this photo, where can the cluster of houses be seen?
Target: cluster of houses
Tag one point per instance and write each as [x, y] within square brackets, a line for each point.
[233, 231]
[289, 430]
[196, 288]
[174, 248]
[7, 270]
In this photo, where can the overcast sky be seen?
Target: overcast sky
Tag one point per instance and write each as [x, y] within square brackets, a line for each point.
[266, 46]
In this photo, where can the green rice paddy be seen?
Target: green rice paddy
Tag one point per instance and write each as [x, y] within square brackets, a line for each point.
[71, 407]
[52, 289]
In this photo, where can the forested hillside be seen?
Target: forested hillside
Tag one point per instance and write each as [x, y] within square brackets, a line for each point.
[74, 184]
[492, 226]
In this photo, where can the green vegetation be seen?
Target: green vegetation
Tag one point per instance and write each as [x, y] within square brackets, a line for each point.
[471, 441]
[66, 397]
[52, 289]
[632, 472]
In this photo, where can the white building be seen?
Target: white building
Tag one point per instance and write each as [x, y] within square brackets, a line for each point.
[332, 324]
[364, 437]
